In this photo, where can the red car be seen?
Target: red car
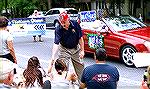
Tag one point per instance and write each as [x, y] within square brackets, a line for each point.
[123, 35]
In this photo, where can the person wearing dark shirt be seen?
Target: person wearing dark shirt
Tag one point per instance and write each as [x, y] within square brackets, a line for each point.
[100, 75]
[69, 40]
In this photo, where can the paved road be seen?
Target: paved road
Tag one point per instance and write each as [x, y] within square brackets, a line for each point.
[26, 48]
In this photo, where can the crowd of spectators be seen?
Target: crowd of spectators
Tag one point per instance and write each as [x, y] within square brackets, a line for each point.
[97, 76]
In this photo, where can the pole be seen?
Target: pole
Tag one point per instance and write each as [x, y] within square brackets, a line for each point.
[49, 4]
[96, 4]
[96, 9]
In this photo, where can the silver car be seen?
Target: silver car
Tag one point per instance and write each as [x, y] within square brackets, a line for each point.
[52, 15]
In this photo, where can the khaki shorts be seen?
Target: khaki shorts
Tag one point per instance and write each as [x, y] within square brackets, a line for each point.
[73, 56]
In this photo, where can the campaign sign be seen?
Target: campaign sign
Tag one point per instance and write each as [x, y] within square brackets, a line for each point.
[95, 41]
[87, 16]
[27, 26]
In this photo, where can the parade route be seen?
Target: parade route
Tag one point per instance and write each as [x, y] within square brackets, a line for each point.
[26, 48]
[61, 82]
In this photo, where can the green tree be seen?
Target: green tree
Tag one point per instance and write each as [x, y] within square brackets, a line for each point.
[1, 5]
[22, 8]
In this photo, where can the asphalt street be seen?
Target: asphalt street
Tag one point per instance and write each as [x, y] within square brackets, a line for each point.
[130, 78]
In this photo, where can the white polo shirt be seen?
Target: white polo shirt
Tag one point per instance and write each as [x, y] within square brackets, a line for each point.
[4, 37]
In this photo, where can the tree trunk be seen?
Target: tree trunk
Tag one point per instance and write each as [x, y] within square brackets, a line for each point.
[107, 11]
[113, 3]
[119, 8]
[49, 4]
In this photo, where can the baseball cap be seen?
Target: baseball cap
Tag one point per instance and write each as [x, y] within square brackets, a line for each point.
[63, 16]
[6, 66]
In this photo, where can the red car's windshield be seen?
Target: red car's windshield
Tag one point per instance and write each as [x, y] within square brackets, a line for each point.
[121, 23]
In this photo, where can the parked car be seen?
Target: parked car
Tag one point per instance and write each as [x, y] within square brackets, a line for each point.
[42, 13]
[52, 15]
[123, 36]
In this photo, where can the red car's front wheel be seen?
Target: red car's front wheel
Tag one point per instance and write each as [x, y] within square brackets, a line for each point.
[126, 55]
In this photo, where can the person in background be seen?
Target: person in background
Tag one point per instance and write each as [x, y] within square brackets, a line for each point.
[140, 18]
[6, 41]
[6, 73]
[69, 40]
[35, 15]
[100, 75]
[146, 77]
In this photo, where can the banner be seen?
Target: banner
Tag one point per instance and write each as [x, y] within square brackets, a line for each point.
[87, 16]
[27, 26]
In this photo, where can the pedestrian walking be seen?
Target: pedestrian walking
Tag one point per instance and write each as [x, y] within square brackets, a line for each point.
[69, 43]
[6, 41]
[100, 75]
[35, 15]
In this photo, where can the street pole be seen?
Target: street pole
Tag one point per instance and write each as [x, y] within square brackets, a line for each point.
[97, 9]
[96, 4]
[49, 4]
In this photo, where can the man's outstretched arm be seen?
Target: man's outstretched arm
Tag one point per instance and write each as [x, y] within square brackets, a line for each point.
[52, 60]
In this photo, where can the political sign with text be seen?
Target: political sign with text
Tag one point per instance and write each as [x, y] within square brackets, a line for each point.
[88, 16]
[27, 26]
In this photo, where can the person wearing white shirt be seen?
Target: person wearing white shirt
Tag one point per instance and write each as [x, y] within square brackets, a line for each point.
[6, 41]
[36, 15]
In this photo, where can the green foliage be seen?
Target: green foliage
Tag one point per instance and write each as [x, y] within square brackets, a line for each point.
[67, 1]
[1, 5]
[22, 8]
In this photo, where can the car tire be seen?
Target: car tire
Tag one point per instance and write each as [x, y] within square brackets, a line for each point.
[126, 55]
